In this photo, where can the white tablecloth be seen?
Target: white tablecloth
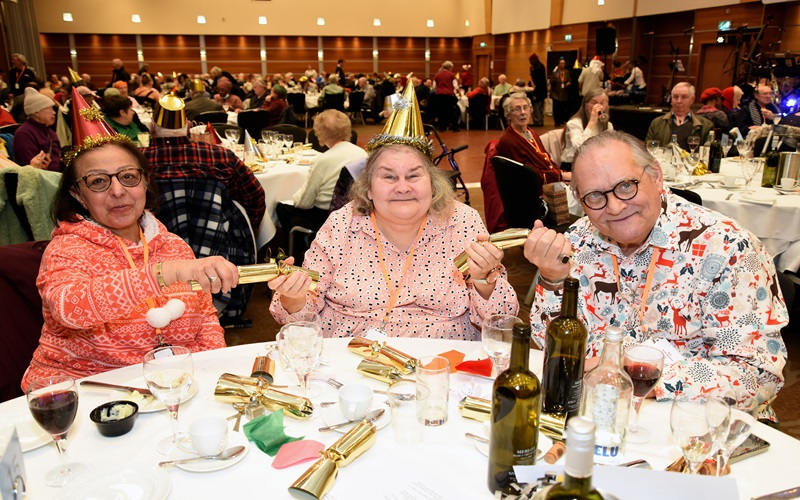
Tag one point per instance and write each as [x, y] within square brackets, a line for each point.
[776, 225]
[280, 181]
[445, 461]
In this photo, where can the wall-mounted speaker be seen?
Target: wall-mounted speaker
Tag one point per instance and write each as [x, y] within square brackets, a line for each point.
[606, 39]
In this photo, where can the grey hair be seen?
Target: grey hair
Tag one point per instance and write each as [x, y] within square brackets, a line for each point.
[515, 95]
[685, 84]
[21, 58]
[334, 78]
[639, 153]
[447, 65]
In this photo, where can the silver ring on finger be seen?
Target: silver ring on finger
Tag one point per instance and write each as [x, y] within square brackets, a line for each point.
[212, 279]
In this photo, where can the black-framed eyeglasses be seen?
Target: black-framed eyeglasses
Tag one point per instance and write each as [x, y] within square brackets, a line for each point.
[129, 177]
[624, 191]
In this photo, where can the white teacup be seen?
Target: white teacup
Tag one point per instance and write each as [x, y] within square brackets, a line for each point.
[209, 435]
[788, 183]
[729, 180]
[354, 401]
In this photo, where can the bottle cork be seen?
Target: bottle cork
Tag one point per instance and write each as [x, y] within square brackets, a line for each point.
[555, 452]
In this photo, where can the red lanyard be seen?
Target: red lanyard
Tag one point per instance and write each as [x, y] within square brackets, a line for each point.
[647, 284]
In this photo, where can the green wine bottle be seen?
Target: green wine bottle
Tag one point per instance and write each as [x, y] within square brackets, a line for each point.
[514, 434]
[565, 351]
[770, 176]
[577, 484]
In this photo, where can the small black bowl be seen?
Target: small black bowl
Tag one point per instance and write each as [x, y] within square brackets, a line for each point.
[113, 428]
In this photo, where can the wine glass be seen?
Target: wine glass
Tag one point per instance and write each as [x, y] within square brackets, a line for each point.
[693, 141]
[300, 342]
[233, 135]
[698, 426]
[653, 147]
[496, 335]
[644, 364]
[226, 107]
[288, 140]
[169, 372]
[745, 149]
[750, 168]
[53, 402]
[727, 144]
[265, 136]
[743, 418]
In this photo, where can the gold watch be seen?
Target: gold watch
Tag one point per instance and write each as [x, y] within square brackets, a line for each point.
[490, 278]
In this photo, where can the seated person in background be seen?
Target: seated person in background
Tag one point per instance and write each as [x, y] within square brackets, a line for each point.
[761, 110]
[95, 248]
[274, 104]
[229, 102]
[256, 100]
[522, 144]
[386, 258]
[146, 89]
[732, 96]
[35, 136]
[502, 86]
[6, 118]
[200, 102]
[711, 98]
[313, 200]
[331, 88]
[680, 120]
[368, 90]
[482, 88]
[631, 254]
[590, 120]
[122, 87]
[120, 115]
[635, 82]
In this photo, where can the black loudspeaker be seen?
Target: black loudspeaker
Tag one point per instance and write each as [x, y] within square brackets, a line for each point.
[606, 39]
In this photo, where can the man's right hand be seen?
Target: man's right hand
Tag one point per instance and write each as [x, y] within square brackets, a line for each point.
[545, 249]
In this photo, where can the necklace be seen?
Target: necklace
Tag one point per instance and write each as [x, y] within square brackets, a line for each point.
[157, 317]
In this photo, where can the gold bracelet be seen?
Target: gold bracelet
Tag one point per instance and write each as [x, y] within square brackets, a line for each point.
[160, 275]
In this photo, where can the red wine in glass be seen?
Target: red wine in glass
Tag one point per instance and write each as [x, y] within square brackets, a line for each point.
[644, 365]
[644, 378]
[55, 412]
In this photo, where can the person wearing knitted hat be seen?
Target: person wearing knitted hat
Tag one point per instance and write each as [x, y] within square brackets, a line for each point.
[114, 282]
[35, 135]
[386, 259]
[712, 109]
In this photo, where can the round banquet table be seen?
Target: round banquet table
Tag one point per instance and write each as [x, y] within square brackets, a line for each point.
[450, 463]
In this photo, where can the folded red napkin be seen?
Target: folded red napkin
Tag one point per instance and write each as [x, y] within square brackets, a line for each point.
[454, 357]
[297, 452]
[482, 367]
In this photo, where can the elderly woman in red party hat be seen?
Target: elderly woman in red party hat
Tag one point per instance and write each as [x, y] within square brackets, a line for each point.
[113, 280]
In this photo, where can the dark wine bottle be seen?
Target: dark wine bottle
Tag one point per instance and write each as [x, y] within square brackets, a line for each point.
[514, 434]
[565, 350]
[715, 153]
[577, 484]
[770, 176]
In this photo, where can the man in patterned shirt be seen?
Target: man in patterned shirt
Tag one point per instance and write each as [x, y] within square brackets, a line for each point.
[662, 268]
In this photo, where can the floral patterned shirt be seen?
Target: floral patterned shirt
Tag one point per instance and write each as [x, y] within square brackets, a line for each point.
[713, 295]
[435, 300]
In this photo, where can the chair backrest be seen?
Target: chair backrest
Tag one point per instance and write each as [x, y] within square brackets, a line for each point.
[297, 100]
[492, 202]
[144, 100]
[552, 144]
[341, 190]
[21, 308]
[334, 101]
[312, 138]
[687, 195]
[222, 127]
[516, 183]
[356, 99]
[212, 116]
[478, 105]
[10, 129]
[298, 133]
[253, 120]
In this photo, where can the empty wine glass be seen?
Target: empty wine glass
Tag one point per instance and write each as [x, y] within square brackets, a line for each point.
[697, 428]
[496, 335]
[265, 136]
[233, 135]
[169, 373]
[288, 140]
[53, 402]
[743, 417]
[653, 147]
[727, 144]
[693, 141]
[745, 149]
[300, 342]
[644, 364]
[750, 168]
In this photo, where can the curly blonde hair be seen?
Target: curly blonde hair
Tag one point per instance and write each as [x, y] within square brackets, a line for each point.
[441, 187]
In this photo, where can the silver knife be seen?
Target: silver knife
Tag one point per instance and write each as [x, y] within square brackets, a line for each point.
[370, 417]
[140, 390]
[781, 495]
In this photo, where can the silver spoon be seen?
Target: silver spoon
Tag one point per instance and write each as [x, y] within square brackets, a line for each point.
[225, 455]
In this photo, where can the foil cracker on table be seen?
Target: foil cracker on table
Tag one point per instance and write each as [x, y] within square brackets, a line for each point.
[553, 426]
[237, 389]
[268, 271]
[379, 351]
[513, 237]
[318, 480]
[475, 408]
[385, 373]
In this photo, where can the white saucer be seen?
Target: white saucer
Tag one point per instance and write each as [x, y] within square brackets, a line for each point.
[544, 443]
[331, 416]
[150, 403]
[792, 190]
[134, 482]
[234, 439]
[736, 187]
[31, 435]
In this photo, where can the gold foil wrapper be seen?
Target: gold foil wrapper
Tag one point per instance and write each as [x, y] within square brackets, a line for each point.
[318, 480]
[475, 408]
[237, 389]
[512, 237]
[259, 273]
[385, 373]
[553, 426]
[264, 367]
[379, 351]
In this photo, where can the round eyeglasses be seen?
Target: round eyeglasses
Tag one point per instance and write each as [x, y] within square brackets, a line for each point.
[624, 191]
[130, 177]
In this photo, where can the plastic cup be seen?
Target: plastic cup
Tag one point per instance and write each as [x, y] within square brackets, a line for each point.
[433, 390]
[403, 404]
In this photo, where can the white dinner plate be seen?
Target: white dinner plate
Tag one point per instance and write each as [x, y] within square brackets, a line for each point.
[152, 403]
[31, 435]
[134, 482]
[310, 152]
[544, 443]
[234, 439]
[331, 416]
[736, 187]
[712, 178]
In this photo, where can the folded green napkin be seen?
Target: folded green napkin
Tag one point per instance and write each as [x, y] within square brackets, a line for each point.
[266, 432]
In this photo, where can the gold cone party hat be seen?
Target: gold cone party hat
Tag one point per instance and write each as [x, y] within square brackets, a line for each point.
[404, 126]
[74, 76]
[89, 129]
[170, 112]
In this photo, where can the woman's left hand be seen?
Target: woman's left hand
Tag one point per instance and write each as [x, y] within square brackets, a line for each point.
[484, 258]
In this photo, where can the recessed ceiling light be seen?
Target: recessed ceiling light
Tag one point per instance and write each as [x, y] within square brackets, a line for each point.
[201, 19]
[262, 19]
[429, 23]
[376, 22]
[320, 21]
[466, 23]
[67, 17]
[136, 18]
[601, 2]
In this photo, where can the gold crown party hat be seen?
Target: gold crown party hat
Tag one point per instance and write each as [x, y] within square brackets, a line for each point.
[404, 126]
[170, 112]
[74, 76]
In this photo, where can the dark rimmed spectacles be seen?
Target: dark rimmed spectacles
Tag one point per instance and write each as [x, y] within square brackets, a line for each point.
[129, 177]
[624, 191]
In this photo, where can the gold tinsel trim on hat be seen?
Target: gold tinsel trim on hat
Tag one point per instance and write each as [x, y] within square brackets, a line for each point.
[89, 143]
[420, 143]
[91, 114]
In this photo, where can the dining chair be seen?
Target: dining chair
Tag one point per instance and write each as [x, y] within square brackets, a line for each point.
[334, 101]
[687, 195]
[354, 109]
[312, 138]
[478, 105]
[253, 121]
[298, 134]
[222, 127]
[10, 129]
[212, 117]
[297, 100]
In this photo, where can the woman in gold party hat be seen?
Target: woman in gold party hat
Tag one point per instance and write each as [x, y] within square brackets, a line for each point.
[386, 258]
